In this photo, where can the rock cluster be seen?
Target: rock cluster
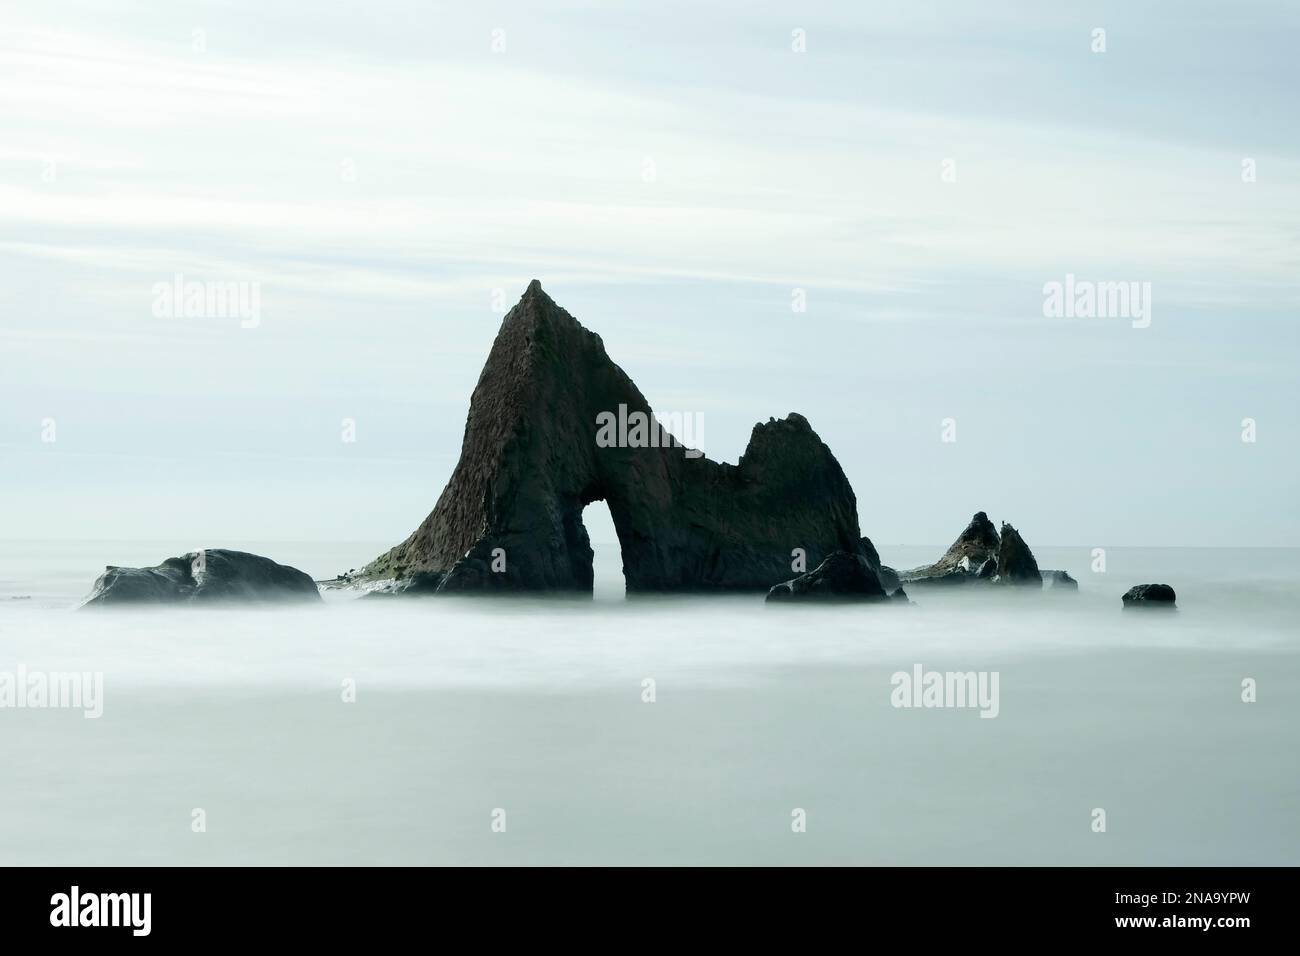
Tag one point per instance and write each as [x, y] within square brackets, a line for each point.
[983, 555]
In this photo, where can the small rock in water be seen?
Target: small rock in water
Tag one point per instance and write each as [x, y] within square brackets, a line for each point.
[1149, 596]
[1059, 580]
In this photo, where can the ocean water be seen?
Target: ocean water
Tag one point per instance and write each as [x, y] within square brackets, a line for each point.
[521, 731]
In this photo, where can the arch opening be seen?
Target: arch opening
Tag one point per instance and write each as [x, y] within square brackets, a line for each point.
[607, 583]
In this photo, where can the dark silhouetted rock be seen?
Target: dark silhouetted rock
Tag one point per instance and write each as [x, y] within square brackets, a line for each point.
[963, 560]
[1149, 596]
[870, 553]
[842, 576]
[510, 518]
[887, 575]
[203, 577]
[1016, 564]
[1059, 580]
[900, 595]
[889, 579]
[988, 569]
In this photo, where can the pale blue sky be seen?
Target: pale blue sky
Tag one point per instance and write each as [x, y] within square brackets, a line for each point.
[128, 156]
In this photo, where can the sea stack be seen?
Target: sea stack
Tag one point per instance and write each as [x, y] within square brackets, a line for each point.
[510, 518]
[1016, 564]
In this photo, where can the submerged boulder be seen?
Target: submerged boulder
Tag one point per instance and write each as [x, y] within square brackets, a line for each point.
[842, 576]
[1149, 596]
[1016, 564]
[204, 577]
[554, 425]
[1059, 580]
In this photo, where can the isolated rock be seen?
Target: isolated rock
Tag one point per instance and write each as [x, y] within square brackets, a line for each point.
[1149, 596]
[203, 577]
[1059, 580]
[964, 559]
[510, 518]
[842, 576]
[1016, 564]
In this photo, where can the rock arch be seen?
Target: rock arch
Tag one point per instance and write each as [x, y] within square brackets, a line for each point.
[530, 463]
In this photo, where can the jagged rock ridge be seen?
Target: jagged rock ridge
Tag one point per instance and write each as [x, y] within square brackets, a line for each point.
[981, 554]
[510, 518]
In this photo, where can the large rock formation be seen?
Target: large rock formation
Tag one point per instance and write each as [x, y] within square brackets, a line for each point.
[510, 518]
[204, 577]
[1016, 564]
[841, 577]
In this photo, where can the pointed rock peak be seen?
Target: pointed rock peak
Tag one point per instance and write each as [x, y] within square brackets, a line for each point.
[975, 545]
[979, 537]
[536, 310]
[533, 297]
[1016, 564]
